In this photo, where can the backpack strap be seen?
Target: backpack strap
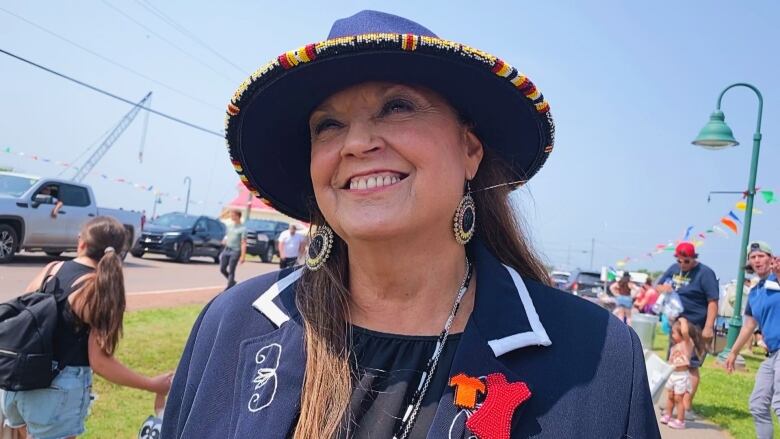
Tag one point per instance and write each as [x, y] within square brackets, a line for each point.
[48, 276]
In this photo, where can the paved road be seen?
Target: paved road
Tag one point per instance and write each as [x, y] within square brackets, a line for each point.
[152, 274]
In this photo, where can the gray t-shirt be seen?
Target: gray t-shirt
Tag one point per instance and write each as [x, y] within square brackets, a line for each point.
[235, 234]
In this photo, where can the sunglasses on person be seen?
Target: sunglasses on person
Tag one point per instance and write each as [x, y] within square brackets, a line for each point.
[684, 261]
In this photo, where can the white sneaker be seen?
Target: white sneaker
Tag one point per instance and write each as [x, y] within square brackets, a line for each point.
[690, 415]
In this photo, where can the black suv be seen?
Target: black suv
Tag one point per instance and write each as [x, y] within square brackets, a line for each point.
[262, 236]
[181, 237]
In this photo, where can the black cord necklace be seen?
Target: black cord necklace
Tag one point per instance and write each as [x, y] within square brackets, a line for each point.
[410, 414]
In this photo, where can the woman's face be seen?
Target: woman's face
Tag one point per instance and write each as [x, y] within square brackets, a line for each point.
[389, 159]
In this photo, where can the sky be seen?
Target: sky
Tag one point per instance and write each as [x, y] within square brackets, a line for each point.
[629, 83]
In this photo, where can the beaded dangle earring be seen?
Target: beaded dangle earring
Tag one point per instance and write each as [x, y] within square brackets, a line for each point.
[319, 248]
[464, 222]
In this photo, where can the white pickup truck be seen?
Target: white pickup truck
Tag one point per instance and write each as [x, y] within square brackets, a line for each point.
[27, 222]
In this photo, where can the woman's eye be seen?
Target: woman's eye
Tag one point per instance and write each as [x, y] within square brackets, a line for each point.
[325, 125]
[397, 106]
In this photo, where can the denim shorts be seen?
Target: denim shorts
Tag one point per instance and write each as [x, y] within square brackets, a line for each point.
[624, 302]
[55, 412]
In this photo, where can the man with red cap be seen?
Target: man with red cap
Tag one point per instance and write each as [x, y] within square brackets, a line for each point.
[697, 286]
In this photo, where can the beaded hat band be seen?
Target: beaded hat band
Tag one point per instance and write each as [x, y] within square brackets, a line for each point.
[267, 118]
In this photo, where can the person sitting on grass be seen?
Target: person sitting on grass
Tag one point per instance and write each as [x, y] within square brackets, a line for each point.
[687, 340]
[90, 310]
[762, 311]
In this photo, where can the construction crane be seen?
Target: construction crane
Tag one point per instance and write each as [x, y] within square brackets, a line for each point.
[112, 137]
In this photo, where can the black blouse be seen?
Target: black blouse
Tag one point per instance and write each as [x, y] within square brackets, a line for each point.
[71, 336]
[386, 370]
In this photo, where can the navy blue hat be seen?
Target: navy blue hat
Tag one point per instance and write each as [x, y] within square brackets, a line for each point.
[267, 126]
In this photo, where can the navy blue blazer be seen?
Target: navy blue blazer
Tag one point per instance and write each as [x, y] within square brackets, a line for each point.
[241, 372]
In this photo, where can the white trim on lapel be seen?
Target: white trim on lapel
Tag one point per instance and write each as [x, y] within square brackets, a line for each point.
[537, 335]
[772, 285]
[265, 303]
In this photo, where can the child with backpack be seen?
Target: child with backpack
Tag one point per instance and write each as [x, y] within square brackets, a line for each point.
[90, 305]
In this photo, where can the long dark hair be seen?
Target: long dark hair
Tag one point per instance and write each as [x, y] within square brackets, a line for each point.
[101, 299]
[323, 300]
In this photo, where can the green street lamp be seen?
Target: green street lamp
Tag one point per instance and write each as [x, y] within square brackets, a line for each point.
[717, 135]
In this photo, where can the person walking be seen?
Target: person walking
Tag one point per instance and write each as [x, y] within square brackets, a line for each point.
[90, 311]
[291, 246]
[697, 286]
[422, 309]
[762, 311]
[234, 251]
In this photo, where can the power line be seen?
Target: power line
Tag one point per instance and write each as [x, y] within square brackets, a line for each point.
[110, 61]
[109, 94]
[195, 58]
[171, 22]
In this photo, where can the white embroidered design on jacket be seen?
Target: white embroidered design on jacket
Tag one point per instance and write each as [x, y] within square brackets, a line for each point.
[267, 360]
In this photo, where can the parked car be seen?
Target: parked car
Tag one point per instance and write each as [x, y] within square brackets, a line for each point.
[586, 284]
[559, 278]
[262, 236]
[181, 237]
[26, 222]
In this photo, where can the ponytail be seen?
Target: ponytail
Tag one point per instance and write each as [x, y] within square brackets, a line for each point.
[102, 299]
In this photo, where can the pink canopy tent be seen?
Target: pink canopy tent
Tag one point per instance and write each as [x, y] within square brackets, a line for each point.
[241, 199]
[258, 210]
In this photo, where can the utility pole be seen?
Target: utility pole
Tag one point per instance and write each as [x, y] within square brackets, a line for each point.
[157, 201]
[187, 180]
[248, 206]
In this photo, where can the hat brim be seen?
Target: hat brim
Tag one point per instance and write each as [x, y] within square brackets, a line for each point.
[267, 124]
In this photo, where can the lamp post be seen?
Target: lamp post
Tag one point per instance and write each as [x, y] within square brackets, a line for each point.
[717, 135]
[187, 180]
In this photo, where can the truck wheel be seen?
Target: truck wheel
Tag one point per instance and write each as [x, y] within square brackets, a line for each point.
[185, 252]
[137, 253]
[8, 243]
[268, 254]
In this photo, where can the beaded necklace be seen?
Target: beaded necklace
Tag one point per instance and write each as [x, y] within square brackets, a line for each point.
[410, 415]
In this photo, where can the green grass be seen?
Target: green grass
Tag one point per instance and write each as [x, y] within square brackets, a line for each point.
[153, 342]
[723, 398]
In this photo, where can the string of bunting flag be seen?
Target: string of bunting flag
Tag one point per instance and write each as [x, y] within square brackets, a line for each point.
[120, 180]
[731, 221]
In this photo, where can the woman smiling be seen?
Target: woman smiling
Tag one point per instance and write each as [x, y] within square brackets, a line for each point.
[421, 311]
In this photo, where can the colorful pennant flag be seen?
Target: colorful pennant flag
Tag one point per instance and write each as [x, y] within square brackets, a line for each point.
[687, 233]
[769, 197]
[720, 231]
[734, 216]
[121, 180]
[742, 206]
[730, 224]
